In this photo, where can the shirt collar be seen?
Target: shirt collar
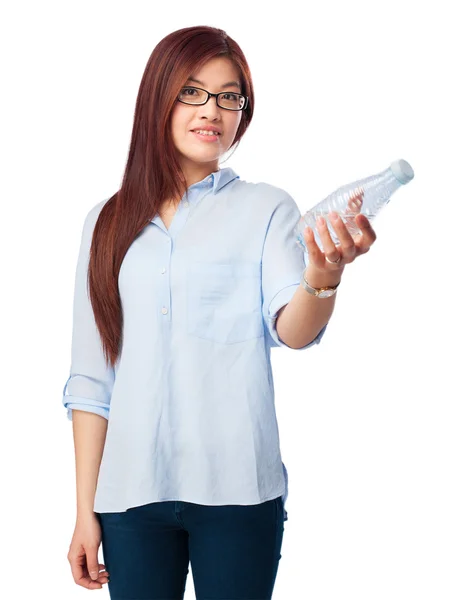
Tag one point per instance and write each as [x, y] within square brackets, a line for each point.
[217, 180]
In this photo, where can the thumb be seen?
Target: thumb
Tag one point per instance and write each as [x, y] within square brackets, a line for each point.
[92, 562]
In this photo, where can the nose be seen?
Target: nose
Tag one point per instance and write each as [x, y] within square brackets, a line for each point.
[210, 108]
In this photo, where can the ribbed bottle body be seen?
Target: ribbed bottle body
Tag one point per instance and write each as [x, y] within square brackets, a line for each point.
[368, 195]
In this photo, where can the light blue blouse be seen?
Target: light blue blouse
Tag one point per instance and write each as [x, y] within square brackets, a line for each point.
[190, 403]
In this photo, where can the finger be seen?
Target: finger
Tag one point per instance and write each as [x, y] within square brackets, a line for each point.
[103, 575]
[368, 235]
[329, 247]
[92, 562]
[348, 246]
[309, 236]
[80, 573]
[102, 580]
[311, 244]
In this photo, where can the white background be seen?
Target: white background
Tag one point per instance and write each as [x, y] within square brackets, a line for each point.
[374, 421]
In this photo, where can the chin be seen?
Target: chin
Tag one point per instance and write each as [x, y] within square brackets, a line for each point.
[204, 156]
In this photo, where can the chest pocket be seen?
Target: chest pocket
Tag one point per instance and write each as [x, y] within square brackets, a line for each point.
[223, 301]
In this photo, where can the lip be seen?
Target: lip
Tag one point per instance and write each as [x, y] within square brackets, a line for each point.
[207, 128]
[206, 138]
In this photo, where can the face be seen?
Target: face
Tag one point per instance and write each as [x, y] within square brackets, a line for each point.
[200, 158]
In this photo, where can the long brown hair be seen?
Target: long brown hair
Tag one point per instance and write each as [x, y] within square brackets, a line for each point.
[152, 173]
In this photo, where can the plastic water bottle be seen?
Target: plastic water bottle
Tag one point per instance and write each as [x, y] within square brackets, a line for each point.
[367, 195]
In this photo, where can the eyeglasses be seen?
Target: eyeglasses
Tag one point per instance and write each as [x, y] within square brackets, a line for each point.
[227, 100]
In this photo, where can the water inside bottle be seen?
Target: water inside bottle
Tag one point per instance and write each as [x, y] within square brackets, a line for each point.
[355, 201]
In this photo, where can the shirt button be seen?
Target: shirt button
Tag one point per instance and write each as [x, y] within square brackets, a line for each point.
[163, 270]
[185, 203]
[164, 310]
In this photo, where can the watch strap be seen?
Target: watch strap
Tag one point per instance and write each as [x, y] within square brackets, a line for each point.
[316, 291]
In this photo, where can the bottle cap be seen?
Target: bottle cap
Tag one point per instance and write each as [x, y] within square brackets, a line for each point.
[402, 170]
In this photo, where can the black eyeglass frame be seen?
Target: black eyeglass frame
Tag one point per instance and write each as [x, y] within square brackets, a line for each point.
[209, 96]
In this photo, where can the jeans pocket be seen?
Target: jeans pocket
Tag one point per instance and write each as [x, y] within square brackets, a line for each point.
[223, 301]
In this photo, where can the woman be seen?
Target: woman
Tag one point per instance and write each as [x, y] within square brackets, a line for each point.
[186, 278]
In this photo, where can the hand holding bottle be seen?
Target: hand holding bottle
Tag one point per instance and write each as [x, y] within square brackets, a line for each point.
[325, 268]
[368, 196]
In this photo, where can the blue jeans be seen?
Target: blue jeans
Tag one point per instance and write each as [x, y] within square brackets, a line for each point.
[234, 550]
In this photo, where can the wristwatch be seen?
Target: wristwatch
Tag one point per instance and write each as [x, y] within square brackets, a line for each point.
[323, 292]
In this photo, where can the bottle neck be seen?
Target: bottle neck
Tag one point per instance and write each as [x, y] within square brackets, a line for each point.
[385, 178]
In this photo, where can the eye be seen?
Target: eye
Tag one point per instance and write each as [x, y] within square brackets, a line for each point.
[189, 89]
[230, 96]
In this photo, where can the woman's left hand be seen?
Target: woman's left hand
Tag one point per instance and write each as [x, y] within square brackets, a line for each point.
[320, 271]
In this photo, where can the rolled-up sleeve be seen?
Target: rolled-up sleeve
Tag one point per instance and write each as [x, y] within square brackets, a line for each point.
[283, 262]
[90, 382]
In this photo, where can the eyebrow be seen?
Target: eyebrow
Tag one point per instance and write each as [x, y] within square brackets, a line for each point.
[226, 85]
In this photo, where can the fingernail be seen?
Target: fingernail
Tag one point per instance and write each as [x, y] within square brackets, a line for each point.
[320, 221]
[93, 574]
[334, 216]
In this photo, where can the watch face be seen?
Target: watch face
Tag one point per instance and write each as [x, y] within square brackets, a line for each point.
[326, 293]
